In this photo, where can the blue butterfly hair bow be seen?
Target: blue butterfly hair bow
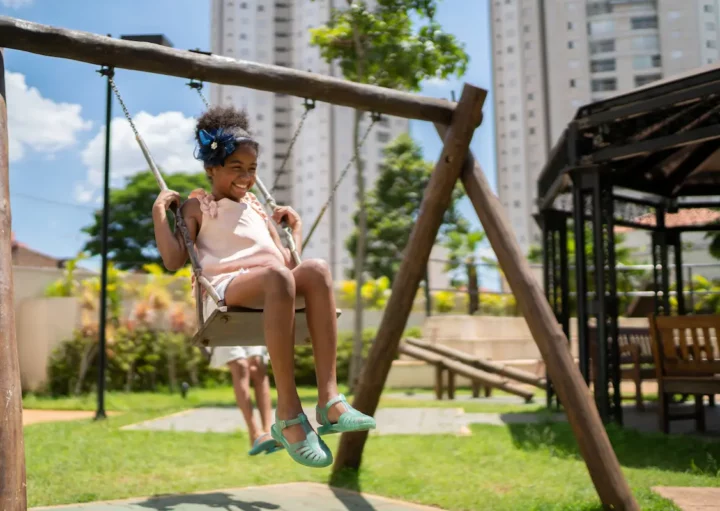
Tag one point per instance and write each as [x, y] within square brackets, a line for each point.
[215, 146]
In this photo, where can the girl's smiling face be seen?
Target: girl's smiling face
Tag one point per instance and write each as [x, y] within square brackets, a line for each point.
[234, 179]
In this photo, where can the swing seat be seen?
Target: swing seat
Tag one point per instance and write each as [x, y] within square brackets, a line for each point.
[240, 326]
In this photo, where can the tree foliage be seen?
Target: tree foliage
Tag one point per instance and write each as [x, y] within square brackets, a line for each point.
[394, 205]
[131, 238]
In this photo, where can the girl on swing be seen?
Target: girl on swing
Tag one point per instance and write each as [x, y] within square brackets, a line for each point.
[241, 254]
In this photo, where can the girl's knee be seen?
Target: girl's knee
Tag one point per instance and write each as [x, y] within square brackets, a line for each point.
[319, 269]
[240, 368]
[258, 370]
[281, 280]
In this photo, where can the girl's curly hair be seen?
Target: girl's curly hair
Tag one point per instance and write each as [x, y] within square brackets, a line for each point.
[228, 119]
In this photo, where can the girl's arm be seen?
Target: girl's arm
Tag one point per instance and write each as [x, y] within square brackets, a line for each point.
[170, 244]
[287, 255]
[294, 222]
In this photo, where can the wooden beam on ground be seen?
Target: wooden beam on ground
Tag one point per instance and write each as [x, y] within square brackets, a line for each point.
[484, 365]
[154, 58]
[594, 444]
[13, 496]
[437, 197]
[487, 379]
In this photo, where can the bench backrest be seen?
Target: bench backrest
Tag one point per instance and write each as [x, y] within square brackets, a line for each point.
[686, 345]
[629, 336]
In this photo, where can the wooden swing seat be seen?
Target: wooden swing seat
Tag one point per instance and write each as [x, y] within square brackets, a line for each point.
[240, 326]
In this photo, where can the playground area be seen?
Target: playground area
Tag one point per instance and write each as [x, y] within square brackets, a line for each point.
[598, 393]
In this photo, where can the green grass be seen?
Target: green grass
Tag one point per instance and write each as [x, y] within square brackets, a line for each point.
[519, 467]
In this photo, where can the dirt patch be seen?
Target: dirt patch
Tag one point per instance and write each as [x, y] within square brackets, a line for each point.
[37, 416]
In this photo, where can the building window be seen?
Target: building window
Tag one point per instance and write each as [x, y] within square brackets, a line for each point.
[599, 66]
[571, 45]
[382, 137]
[243, 36]
[570, 25]
[531, 113]
[604, 46]
[710, 26]
[673, 15]
[527, 45]
[530, 96]
[516, 203]
[708, 8]
[601, 27]
[711, 44]
[595, 8]
[676, 54]
[604, 85]
[531, 131]
[261, 8]
[513, 117]
[646, 61]
[243, 5]
[648, 42]
[644, 80]
[510, 49]
[572, 83]
[259, 117]
[526, 29]
[644, 22]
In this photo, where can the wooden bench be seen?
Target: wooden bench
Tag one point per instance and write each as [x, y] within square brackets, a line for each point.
[685, 350]
[636, 359]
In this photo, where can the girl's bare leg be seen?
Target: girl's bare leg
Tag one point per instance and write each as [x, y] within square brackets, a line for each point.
[274, 289]
[314, 281]
[261, 382]
[241, 384]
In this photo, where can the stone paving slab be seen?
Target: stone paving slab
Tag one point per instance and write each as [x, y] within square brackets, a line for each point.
[279, 497]
[691, 499]
[466, 398]
[390, 421]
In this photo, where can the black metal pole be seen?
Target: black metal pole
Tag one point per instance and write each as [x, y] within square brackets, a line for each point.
[100, 413]
[600, 356]
[679, 284]
[581, 278]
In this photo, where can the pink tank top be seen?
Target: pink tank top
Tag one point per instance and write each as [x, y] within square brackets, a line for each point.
[233, 236]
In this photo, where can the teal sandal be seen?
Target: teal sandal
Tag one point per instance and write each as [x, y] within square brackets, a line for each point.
[350, 420]
[311, 452]
[268, 446]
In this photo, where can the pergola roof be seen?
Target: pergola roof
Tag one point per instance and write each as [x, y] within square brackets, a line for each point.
[662, 138]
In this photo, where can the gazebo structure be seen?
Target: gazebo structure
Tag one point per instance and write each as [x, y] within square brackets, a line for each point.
[652, 152]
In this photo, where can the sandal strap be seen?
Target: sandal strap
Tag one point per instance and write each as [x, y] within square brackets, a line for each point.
[300, 419]
[340, 398]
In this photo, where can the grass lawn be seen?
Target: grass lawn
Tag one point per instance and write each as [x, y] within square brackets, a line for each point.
[519, 467]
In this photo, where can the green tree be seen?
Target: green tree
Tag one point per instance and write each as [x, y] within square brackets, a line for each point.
[131, 238]
[627, 280]
[393, 206]
[381, 46]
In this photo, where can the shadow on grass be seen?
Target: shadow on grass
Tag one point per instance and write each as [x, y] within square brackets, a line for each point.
[209, 500]
[675, 453]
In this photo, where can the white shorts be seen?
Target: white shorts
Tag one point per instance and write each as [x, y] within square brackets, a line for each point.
[223, 355]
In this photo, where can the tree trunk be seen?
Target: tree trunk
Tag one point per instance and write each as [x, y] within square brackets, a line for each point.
[473, 290]
[356, 361]
[88, 354]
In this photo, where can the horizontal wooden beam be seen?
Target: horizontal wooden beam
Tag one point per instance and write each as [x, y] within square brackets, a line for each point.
[153, 58]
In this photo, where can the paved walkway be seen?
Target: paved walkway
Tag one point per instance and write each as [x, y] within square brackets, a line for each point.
[691, 499]
[280, 497]
[390, 421]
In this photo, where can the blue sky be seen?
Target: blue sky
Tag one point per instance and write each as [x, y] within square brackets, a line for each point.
[57, 108]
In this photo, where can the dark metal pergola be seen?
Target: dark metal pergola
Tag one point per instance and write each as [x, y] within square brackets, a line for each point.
[653, 150]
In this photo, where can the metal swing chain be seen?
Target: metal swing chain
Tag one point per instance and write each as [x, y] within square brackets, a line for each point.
[194, 84]
[375, 118]
[309, 105]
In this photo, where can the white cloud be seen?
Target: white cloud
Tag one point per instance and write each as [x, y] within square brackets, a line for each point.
[16, 4]
[169, 137]
[37, 123]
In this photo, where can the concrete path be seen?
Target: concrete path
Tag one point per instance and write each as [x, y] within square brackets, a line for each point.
[691, 499]
[280, 497]
[390, 421]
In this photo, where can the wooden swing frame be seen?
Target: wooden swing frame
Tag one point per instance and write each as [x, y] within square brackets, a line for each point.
[455, 123]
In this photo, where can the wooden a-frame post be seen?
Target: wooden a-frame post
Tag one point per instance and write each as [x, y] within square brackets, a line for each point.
[13, 495]
[594, 444]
